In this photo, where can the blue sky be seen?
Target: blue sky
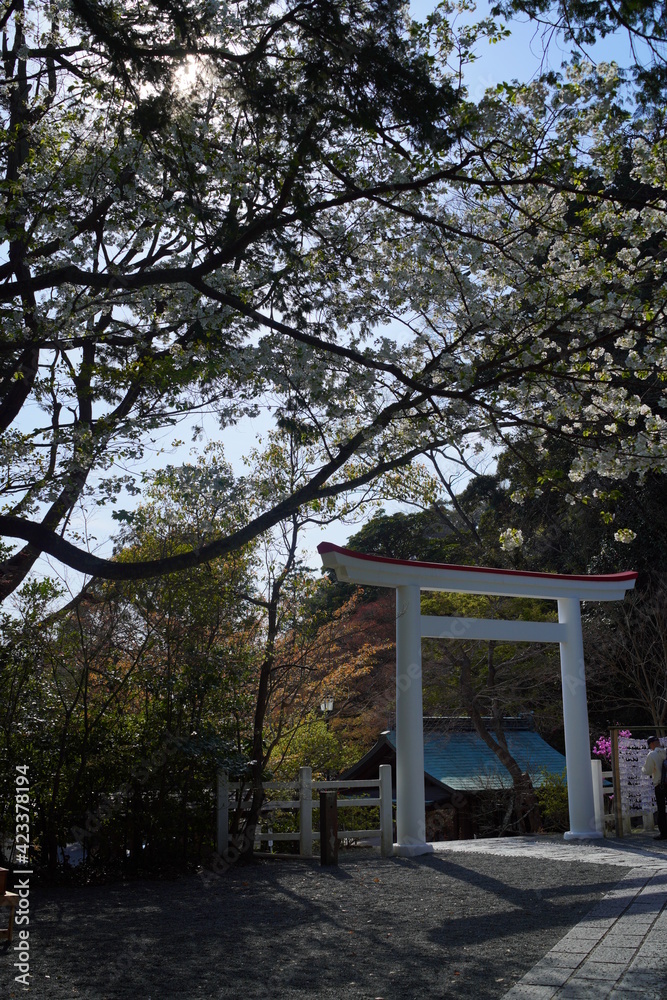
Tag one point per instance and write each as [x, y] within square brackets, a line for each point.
[526, 53]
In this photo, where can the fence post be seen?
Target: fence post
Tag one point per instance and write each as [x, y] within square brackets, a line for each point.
[598, 797]
[306, 812]
[648, 822]
[616, 775]
[329, 827]
[222, 833]
[386, 814]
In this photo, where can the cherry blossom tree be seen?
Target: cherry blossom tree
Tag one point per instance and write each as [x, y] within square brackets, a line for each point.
[218, 211]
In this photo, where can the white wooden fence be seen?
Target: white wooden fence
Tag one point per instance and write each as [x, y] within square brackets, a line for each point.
[604, 820]
[228, 800]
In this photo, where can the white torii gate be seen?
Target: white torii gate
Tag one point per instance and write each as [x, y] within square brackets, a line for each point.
[409, 578]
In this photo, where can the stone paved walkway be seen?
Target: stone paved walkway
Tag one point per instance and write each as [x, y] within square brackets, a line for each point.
[637, 851]
[618, 951]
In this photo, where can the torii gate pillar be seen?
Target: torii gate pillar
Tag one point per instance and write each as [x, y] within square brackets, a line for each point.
[411, 817]
[575, 720]
[409, 579]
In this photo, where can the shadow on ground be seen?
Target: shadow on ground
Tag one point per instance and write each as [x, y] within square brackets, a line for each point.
[437, 926]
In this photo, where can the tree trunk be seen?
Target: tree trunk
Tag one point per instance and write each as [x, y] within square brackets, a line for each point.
[260, 759]
[525, 803]
[247, 839]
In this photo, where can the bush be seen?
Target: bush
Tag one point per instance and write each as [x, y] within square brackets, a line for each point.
[552, 798]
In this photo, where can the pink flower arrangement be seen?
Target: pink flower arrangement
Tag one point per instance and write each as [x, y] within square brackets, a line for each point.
[603, 746]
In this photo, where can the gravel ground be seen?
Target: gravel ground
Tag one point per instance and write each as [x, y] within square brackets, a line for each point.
[437, 926]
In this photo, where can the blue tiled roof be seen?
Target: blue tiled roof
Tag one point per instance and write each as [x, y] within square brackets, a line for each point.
[461, 760]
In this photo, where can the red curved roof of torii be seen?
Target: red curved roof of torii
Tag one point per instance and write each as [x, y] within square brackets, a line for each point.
[596, 578]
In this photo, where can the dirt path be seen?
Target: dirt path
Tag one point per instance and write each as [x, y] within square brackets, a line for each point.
[439, 926]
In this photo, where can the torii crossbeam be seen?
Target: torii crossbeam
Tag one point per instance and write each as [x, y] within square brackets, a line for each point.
[409, 578]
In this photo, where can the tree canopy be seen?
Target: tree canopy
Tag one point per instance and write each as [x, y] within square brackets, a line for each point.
[582, 22]
[216, 209]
